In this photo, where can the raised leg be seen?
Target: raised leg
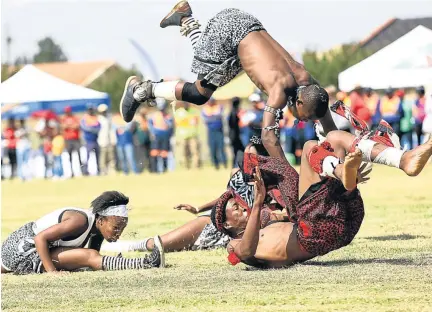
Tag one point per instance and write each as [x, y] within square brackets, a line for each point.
[307, 175]
[183, 237]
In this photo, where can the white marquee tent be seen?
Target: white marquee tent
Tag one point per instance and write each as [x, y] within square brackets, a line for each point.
[406, 62]
[32, 90]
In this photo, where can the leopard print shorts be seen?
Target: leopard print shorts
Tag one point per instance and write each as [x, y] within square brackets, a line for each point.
[215, 54]
[18, 253]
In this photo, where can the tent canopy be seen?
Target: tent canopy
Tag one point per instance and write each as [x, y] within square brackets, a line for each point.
[32, 90]
[406, 62]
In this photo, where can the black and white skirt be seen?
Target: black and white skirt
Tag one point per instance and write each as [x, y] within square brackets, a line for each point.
[215, 54]
[18, 253]
[211, 238]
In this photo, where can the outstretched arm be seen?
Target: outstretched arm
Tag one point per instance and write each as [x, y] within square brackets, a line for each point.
[247, 247]
[195, 210]
[276, 100]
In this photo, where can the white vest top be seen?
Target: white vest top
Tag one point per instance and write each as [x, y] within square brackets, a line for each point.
[54, 218]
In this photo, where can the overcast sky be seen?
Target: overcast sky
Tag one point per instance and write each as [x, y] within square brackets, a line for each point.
[94, 30]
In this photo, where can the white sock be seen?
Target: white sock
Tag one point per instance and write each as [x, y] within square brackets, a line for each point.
[126, 246]
[165, 90]
[391, 157]
[193, 35]
[366, 146]
[139, 246]
[329, 165]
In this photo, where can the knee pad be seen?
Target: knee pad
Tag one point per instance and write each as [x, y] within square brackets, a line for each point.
[191, 94]
[318, 154]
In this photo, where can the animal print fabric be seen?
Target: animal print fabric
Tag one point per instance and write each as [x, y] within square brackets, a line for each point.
[18, 253]
[276, 172]
[215, 54]
[211, 238]
[328, 219]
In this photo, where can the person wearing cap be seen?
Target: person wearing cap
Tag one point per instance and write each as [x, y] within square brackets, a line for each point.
[55, 242]
[212, 114]
[90, 127]
[161, 126]
[107, 140]
[419, 112]
[390, 109]
[71, 133]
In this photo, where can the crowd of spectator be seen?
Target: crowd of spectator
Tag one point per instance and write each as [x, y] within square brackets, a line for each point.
[148, 143]
[406, 112]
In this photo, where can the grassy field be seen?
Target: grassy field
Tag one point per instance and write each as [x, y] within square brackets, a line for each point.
[388, 267]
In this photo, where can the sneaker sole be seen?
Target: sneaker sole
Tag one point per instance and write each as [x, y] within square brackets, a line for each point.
[171, 13]
[124, 94]
[158, 244]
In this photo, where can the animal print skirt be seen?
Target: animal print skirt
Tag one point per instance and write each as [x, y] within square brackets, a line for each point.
[215, 54]
[18, 253]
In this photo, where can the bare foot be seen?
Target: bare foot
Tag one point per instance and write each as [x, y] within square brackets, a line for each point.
[350, 168]
[413, 161]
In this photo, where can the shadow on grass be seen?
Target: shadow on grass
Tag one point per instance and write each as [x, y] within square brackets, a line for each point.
[422, 261]
[394, 237]
[400, 261]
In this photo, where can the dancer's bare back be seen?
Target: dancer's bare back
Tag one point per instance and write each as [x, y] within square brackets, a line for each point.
[269, 66]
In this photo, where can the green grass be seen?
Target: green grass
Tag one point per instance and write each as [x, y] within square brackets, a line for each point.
[388, 267]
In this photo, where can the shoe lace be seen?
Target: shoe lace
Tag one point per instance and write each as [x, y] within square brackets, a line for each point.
[154, 257]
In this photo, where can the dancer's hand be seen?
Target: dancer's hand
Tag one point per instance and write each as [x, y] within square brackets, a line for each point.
[187, 207]
[363, 172]
[259, 187]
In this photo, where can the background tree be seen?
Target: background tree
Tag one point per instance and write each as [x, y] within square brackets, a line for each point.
[326, 66]
[112, 82]
[49, 52]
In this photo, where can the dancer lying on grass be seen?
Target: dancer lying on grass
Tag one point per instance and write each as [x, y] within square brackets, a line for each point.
[200, 234]
[56, 241]
[325, 208]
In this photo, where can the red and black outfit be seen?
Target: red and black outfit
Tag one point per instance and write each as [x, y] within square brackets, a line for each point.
[327, 217]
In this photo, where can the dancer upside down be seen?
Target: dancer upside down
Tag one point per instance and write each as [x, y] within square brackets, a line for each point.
[233, 41]
[324, 206]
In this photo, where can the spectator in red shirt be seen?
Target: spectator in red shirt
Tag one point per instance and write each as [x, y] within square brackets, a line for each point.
[358, 105]
[71, 134]
[11, 141]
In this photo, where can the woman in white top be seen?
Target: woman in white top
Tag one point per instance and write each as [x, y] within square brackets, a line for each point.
[56, 241]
